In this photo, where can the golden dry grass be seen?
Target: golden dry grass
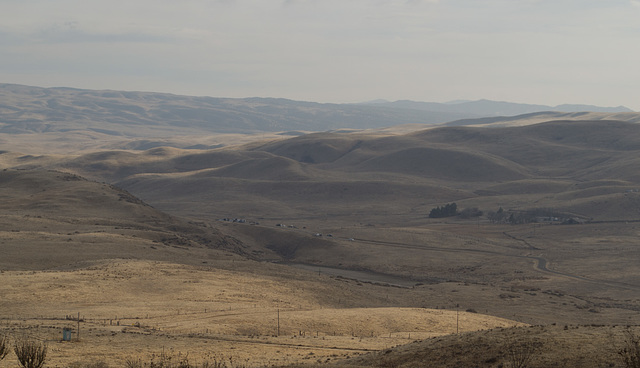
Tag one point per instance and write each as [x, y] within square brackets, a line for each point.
[134, 308]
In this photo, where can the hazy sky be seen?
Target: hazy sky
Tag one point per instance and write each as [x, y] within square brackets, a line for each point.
[533, 51]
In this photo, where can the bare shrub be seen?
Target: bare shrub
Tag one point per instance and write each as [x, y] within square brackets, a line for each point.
[630, 351]
[468, 213]
[4, 347]
[520, 353]
[164, 360]
[93, 364]
[30, 353]
[133, 363]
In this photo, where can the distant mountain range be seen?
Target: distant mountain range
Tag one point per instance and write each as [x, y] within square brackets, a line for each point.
[487, 108]
[25, 109]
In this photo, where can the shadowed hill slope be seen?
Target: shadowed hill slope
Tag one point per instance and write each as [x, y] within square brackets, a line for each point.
[535, 347]
[561, 148]
[52, 219]
[347, 171]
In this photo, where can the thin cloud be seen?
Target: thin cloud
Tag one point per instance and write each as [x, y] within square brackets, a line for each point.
[71, 32]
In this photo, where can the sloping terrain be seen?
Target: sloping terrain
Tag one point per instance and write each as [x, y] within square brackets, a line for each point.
[69, 120]
[498, 108]
[545, 116]
[145, 114]
[588, 346]
[54, 220]
[256, 315]
[340, 173]
[144, 282]
[553, 239]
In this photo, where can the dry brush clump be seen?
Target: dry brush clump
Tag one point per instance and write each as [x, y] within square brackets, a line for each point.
[630, 351]
[92, 364]
[30, 353]
[165, 360]
[520, 353]
[4, 346]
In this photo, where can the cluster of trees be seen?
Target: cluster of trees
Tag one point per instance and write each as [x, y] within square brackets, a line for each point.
[451, 209]
[500, 216]
[448, 210]
[470, 213]
[523, 217]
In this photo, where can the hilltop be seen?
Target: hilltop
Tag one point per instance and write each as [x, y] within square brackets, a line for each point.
[488, 108]
[70, 120]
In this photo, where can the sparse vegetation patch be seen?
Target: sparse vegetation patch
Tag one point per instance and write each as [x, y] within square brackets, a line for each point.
[30, 353]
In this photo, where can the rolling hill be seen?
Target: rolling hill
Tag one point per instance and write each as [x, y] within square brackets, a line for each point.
[133, 114]
[54, 220]
[331, 228]
[344, 174]
[69, 120]
[497, 108]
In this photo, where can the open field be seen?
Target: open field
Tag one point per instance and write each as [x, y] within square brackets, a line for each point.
[132, 308]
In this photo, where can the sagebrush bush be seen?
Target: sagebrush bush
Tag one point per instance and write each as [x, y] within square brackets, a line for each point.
[4, 346]
[520, 353]
[630, 352]
[164, 360]
[30, 353]
[93, 364]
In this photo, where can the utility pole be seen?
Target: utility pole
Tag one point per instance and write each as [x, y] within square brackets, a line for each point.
[278, 333]
[78, 336]
[457, 318]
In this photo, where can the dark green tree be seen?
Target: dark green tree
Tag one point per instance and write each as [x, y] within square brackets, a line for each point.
[448, 210]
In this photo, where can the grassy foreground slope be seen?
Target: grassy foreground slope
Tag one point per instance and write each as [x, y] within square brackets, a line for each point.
[587, 346]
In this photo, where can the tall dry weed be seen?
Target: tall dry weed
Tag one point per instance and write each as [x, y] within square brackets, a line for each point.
[30, 353]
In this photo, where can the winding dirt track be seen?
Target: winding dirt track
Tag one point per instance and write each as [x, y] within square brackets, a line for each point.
[540, 263]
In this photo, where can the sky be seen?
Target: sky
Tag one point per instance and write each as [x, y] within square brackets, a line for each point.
[340, 51]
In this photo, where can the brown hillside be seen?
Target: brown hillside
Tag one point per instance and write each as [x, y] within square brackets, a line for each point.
[314, 148]
[444, 164]
[272, 168]
[345, 174]
[53, 219]
[547, 346]
[378, 217]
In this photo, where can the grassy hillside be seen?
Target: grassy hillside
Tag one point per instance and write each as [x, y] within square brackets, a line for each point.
[145, 282]
[545, 346]
[347, 174]
[52, 219]
[222, 310]
[340, 221]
